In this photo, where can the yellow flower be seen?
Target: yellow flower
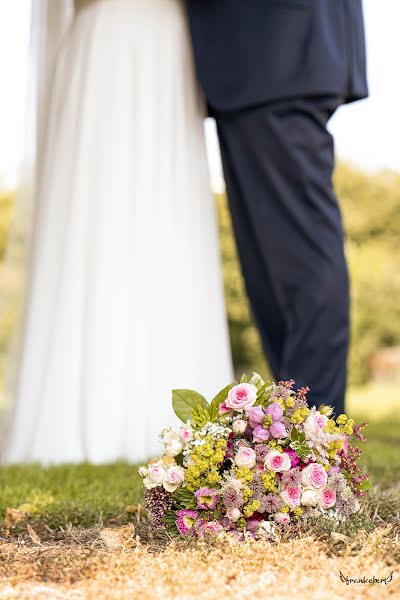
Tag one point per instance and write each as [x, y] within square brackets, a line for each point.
[285, 509]
[204, 462]
[298, 511]
[268, 478]
[251, 507]
[247, 494]
[245, 474]
[299, 415]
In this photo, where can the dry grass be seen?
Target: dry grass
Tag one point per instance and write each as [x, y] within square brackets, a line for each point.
[102, 564]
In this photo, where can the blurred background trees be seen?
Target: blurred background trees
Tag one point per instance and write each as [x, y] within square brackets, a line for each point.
[371, 211]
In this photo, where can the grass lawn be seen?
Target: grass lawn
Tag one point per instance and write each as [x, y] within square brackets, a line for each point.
[80, 534]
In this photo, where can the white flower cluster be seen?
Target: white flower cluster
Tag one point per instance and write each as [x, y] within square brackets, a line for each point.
[217, 431]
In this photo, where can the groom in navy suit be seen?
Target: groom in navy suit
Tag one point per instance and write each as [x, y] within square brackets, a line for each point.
[274, 72]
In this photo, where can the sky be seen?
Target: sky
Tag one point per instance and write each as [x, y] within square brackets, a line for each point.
[367, 133]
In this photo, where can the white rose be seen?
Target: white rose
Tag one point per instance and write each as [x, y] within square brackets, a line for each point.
[173, 447]
[156, 473]
[168, 434]
[309, 497]
[174, 477]
[239, 426]
[149, 483]
[245, 457]
[266, 529]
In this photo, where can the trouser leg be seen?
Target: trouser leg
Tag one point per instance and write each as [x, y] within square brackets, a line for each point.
[278, 162]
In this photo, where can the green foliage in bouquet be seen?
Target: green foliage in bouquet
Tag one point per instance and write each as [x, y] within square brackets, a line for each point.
[298, 443]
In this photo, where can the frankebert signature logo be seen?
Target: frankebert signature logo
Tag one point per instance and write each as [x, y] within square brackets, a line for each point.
[371, 580]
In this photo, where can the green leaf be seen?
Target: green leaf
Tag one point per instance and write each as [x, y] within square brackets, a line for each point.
[219, 398]
[243, 378]
[298, 443]
[184, 401]
[170, 523]
[264, 393]
[183, 498]
[257, 380]
[300, 449]
[297, 436]
[200, 416]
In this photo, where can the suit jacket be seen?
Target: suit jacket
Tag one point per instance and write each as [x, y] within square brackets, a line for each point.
[250, 52]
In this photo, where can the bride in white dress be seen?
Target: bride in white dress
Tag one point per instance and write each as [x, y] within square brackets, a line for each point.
[124, 298]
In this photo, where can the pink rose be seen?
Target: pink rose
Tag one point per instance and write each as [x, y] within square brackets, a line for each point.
[245, 457]
[327, 498]
[233, 514]
[186, 435]
[277, 461]
[209, 528]
[314, 475]
[256, 415]
[291, 496]
[174, 477]
[239, 426]
[260, 434]
[275, 410]
[315, 423]
[277, 430]
[156, 473]
[282, 518]
[241, 396]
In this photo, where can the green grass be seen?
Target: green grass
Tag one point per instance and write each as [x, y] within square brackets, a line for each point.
[85, 494]
[79, 494]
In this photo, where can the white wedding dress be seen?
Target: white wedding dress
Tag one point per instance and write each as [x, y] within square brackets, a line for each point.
[124, 299]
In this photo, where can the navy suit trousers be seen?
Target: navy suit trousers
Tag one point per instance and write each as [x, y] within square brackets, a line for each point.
[278, 161]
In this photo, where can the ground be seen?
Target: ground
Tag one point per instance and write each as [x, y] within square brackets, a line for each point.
[79, 532]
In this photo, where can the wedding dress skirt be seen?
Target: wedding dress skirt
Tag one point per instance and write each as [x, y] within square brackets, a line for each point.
[125, 299]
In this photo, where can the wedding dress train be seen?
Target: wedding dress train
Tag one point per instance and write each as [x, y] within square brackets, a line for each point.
[124, 300]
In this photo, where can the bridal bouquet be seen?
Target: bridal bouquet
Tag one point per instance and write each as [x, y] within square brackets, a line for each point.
[254, 458]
